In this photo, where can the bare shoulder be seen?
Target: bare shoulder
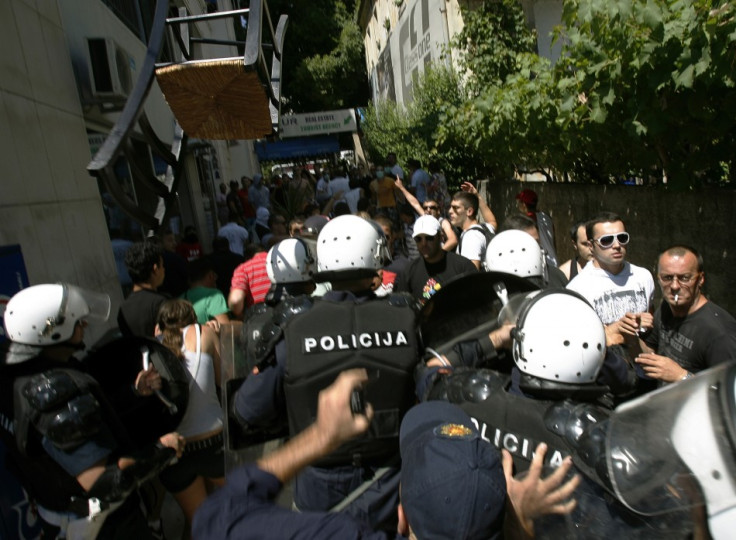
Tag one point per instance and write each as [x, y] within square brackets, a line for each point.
[209, 339]
[565, 268]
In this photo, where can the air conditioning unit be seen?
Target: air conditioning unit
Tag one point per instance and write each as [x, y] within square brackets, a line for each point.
[110, 69]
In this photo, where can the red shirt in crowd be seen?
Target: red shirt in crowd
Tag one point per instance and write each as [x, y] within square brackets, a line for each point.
[251, 277]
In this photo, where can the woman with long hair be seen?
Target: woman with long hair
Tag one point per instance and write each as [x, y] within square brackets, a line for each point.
[201, 469]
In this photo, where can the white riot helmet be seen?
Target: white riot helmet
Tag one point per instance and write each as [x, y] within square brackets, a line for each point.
[290, 261]
[515, 252]
[47, 314]
[350, 247]
[559, 338]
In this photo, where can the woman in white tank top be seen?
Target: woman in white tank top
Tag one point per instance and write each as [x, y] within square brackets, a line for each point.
[201, 469]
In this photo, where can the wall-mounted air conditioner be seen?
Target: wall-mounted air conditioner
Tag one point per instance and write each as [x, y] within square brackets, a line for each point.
[110, 70]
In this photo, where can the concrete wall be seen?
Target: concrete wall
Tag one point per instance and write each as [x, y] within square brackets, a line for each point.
[655, 217]
[50, 205]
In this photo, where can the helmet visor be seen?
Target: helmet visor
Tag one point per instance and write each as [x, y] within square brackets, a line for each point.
[675, 448]
[510, 312]
[97, 304]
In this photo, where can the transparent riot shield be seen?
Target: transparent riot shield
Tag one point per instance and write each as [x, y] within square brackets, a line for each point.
[240, 446]
[676, 449]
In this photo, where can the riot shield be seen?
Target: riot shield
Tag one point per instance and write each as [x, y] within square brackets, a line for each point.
[598, 514]
[116, 361]
[675, 449]
[241, 446]
[467, 307]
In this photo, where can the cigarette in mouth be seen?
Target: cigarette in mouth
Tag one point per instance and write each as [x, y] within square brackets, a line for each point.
[677, 297]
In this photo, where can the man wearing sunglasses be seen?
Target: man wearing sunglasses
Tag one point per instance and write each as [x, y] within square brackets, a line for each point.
[690, 333]
[431, 207]
[424, 276]
[614, 287]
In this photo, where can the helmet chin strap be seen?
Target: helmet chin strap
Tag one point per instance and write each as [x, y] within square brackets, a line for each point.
[543, 388]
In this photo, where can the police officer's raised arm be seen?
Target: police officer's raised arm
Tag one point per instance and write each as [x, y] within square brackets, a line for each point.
[335, 424]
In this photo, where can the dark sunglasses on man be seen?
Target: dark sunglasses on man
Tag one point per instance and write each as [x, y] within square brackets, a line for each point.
[431, 207]
[606, 241]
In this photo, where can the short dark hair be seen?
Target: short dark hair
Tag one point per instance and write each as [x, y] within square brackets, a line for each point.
[364, 204]
[469, 200]
[603, 217]
[680, 250]
[518, 222]
[384, 221]
[574, 229]
[220, 243]
[340, 208]
[251, 249]
[406, 210]
[141, 258]
[296, 220]
[272, 219]
[198, 269]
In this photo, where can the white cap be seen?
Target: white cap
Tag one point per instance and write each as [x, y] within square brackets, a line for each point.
[428, 225]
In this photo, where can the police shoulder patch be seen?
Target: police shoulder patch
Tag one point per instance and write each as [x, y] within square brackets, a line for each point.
[454, 431]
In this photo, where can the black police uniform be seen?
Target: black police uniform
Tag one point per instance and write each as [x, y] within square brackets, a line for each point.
[56, 423]
[572, 425]
[517, 423]
[342, 331]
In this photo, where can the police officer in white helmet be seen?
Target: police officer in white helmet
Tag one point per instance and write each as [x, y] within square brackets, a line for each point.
[291, 266]
[63, 437]
[348, 327]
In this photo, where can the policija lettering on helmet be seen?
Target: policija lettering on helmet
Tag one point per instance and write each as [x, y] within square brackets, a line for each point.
[57, 423]
[348, 327]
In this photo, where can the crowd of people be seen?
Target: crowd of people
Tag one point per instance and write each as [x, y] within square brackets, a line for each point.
[418, 353]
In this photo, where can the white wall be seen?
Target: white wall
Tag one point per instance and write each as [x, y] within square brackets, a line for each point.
[82, 19]
[50, 205]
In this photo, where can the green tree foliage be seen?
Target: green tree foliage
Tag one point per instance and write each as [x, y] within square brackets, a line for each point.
[435, 125]
[492, 37]
[643, 87]
[411, 132]
[651, 85]
[324, 59]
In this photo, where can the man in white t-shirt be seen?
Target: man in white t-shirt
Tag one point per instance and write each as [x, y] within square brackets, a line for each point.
[236, 235]
[613, 286]
[339, 182]
[475, 236]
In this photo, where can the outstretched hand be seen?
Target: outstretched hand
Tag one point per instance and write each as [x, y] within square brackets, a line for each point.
[660, 367]
[534, 496]
[470, 188]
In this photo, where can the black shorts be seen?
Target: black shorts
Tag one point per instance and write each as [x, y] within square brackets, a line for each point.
[204, 458]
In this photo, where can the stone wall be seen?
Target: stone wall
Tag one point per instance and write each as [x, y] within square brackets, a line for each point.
[655, 217]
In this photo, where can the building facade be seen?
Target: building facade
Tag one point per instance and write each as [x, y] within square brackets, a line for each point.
[402, 38]
[65, 73]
